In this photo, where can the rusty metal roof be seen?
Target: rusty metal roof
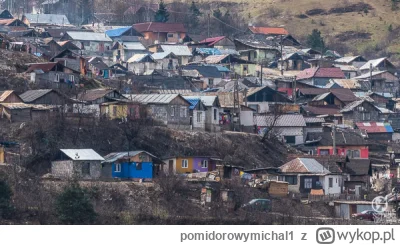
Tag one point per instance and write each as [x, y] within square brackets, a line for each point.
[304, 165]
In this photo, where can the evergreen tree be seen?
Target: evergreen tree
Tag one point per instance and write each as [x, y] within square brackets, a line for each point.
[217, 14]
[162, 13]
[6, 209]
[73, 206]
[315, 40]
[194, 16]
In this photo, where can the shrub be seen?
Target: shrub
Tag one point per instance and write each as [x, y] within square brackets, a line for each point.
[73, 206]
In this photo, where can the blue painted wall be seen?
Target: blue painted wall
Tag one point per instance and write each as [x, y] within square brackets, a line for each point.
[128, 170]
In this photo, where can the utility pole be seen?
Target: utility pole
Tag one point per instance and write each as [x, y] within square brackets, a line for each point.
[281, 55]
[261, 73]
[294, 89]
[208, 25]
[334, 138]
[370, 76]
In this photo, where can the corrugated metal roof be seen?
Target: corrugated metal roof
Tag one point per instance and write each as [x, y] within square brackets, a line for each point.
[112, 157]
[375, 127]
[314, 119]
[53, 19]
[117, 32]
[82, 154]
[89, 36]
[290, 131]
[161, 55]
[321, 96]
[215, 59]
[152, 98]
[173, 91]
[212, 40]
[368, 75]
[347, 59]
[352, 105]
[138, 58]
[178, 50]
[304, 165]
[374, 63]
[286, 120]
[93, 94]
[32, 95]
[134, 46]
[347, 83]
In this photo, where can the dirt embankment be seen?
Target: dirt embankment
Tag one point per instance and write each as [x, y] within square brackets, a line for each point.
[353, 35]
[357, 7]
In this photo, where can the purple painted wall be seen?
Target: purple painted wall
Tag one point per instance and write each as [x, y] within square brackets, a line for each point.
[197, 164]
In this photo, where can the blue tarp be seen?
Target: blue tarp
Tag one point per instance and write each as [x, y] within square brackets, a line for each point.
[208, 51]
[117, 32]
[193, 103]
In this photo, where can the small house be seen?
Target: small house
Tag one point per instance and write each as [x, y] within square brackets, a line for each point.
[16, 112]
[212, 113]
[290, 127]
[257, 49]
[166, 60]
[210, 75]
[140, 64]
[122, 109]
[356, 61]
[319, 76]
[98, 68]
[306, 174]
[188, 164]
[118, 33]
[172, 110]
[197, 113]
[81, 163]
[381, 64]
[359, 172]
[72, 60]
[36, 20]
[126, 47]
[337, 96]
[379, 81]
[89, 41]
[350, 143]
[137, 165]
[182, 52]
[45, 97]
[54, 74]
[360, 111]
[159, 32]
[90, 100]
[220, 42]
[263, 99]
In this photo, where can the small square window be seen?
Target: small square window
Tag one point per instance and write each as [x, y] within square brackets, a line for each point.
[138, 166]
[204, 164]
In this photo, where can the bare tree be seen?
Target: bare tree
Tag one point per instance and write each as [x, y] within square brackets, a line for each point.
[271, 130]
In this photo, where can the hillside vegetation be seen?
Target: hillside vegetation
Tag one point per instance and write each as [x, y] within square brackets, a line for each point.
[367, 27]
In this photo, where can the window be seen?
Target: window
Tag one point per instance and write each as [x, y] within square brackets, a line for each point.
[118, 167]
[353, 153]
[185, 163]
[86, 168]
[199, 117]
[307, 183]
[215, 114]
[172, 111]
[138, 166]
[204, 164]
[72, 78]
[57, 77]
[132, 112]
[366, 116]
[114, 111]
[183, 112]
[170, 35]
[211, 81]
[290, 139]
[292, 180]
[330, 182]
[324, 152]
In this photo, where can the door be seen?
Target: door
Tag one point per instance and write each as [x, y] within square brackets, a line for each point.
[358, 189]
[170, 166]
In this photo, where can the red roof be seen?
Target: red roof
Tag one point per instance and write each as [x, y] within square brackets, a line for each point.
[212, 40]
[45, 67]
[268, 30]
[159, 27]
[332, 72]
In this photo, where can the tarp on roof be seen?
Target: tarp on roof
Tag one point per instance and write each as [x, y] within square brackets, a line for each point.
[117, 32]
[193, 102]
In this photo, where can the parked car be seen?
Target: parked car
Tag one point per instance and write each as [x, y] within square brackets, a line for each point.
[366, 215]
[260, 205]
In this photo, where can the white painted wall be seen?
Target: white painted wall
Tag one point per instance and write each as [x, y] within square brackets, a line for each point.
[335, 189]
[246, 118]
[86, 109]
[165, 166]
[202, 123]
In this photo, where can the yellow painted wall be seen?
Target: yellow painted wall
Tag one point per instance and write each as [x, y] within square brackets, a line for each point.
[179, 168]
[121, 111]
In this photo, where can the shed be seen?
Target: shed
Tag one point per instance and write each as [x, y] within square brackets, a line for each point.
[16, 112]
[81, 163]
